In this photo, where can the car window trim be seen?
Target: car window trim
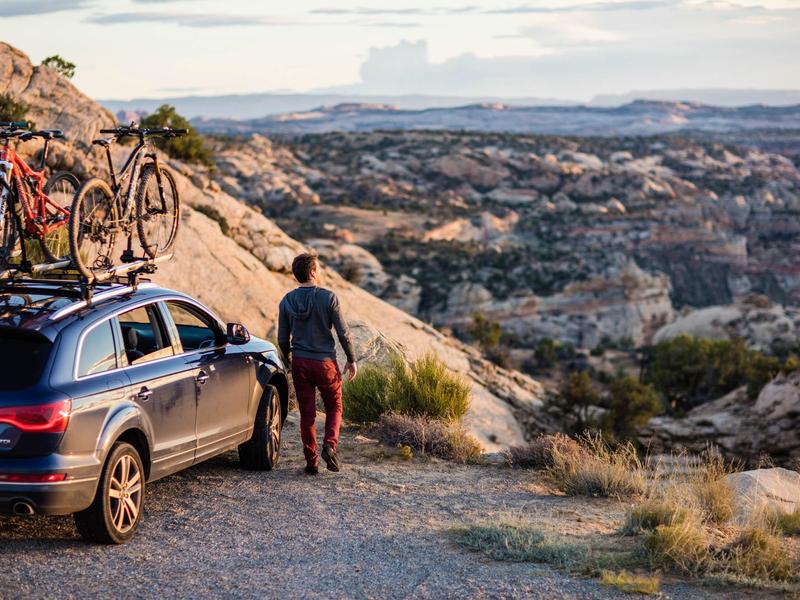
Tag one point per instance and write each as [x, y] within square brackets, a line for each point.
[79, 353]
[173, 326]
[125, 309]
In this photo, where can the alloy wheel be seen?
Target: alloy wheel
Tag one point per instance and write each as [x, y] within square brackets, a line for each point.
[125, 493]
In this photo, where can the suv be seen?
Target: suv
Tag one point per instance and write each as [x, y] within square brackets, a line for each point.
[102, 393]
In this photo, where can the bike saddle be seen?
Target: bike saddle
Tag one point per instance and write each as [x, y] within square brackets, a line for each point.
[104, 142]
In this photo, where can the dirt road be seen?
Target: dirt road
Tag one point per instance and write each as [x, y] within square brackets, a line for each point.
[376, 530]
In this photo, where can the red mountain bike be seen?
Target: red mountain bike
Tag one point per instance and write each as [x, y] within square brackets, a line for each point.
[29, 208]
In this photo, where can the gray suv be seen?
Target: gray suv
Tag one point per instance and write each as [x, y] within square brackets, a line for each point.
[101, 394]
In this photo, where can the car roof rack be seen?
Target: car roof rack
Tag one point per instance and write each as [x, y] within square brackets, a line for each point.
[121, 279]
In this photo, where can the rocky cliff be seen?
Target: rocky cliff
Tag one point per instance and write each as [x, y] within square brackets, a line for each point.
[241, 270]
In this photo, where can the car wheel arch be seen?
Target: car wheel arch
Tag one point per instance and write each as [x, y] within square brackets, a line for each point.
[282, 384]
[127, 424]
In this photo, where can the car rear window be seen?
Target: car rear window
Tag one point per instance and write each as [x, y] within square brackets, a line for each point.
[23, 355]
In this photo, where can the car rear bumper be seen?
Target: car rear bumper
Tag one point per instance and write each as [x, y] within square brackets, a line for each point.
[73, 494]
[57, 498]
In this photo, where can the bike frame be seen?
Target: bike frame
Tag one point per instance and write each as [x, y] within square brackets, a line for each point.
[130, 170]
[16, 172]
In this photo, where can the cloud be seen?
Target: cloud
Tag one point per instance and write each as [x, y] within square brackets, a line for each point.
[188, 20]
[626, 5]
[366, 11]
[19, 8]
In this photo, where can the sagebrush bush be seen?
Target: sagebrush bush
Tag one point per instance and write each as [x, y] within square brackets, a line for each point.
[600, 470]
[538, 453]
[426, 388]
[444, 439]
[789, 523]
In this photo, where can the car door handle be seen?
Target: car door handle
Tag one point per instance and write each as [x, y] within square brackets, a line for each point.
[144, 394]
[202, 377]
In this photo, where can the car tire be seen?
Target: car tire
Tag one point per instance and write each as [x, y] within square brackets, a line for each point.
[262, 451]
[116, 510]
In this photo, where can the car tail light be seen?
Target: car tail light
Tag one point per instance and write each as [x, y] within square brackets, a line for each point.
[32, 477]
[38, 418]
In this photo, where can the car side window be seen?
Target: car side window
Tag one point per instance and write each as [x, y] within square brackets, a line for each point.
[195, 329]
[98, 353]
[144, 335]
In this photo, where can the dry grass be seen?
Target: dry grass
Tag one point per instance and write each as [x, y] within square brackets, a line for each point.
[758, 554]
[682, 546]
[631, 583]
[444, 439]
[538, 453]
[789, 523]
[713, 494]
[654, 512]
[599, 470]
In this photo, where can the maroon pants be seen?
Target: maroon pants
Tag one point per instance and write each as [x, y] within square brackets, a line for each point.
[310, 375]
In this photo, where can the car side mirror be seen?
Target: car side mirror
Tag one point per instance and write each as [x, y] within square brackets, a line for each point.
[238, 334]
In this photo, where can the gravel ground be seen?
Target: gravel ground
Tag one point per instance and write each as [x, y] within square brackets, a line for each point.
[378, 529]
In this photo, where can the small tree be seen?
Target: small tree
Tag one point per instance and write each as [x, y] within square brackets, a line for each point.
[546, 353]
[191, 147]
[574, 401]
[630, 406]
[62, 66]
[12, 109]
[485, 332]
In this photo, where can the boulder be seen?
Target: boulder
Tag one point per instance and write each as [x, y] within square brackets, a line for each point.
[774, 490]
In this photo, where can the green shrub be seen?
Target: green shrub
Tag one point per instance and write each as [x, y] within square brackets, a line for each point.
[789, 523]
[62, 66]
[487, 334]
[691, 371]
[365, 396]
[12, 109]
[546, 353]
[426, 388]
[191, 147]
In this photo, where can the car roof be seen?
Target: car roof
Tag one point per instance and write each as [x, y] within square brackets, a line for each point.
[48, 306]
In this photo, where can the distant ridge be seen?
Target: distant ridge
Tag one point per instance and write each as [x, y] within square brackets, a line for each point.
[641, 117]
[254, 106]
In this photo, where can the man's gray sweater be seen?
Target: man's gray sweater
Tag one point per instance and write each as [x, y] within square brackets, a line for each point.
[305, 318]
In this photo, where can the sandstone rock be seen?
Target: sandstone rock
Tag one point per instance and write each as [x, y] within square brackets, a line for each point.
[470, 170]
[773, 490]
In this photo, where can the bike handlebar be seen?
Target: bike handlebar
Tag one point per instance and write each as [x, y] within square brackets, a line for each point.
[15, 124]
[47, 134]
[137, 131]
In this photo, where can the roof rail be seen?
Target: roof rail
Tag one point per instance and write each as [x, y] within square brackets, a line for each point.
[114, 292]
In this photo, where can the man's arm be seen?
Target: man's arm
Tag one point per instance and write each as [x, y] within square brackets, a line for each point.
[343, 333]
[283, 332]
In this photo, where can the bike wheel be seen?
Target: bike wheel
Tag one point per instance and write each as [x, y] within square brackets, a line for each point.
[93, 227]
[9, 234]
[158, 210]
[60, 189]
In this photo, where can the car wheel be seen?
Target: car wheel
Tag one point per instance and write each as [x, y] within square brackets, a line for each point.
[116, 510]
[262, 451]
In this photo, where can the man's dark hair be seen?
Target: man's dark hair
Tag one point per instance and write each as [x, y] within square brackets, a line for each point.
[303, 264]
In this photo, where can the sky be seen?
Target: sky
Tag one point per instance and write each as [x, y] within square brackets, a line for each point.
[559, 49]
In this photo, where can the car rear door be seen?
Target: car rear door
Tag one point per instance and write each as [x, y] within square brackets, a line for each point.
[163, 384]
[223, 377]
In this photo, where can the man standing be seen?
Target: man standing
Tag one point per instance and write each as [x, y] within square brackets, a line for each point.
[305, 318]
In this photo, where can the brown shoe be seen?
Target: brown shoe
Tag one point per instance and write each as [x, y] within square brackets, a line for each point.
[311, 470]
[329, 456]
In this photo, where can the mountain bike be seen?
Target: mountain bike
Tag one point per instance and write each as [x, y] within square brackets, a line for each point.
[150, 205]
[31, 209]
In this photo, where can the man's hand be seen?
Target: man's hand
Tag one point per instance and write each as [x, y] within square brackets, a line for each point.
[351, 369]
